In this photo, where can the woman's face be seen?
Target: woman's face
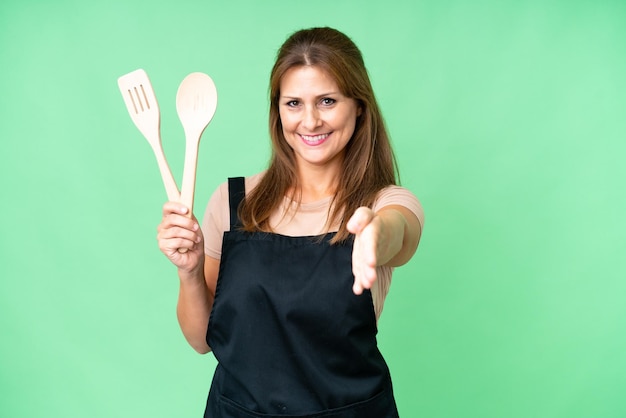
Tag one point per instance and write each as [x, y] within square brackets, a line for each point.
[318, 121]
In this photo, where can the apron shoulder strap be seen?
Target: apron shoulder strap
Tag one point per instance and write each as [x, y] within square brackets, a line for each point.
[236, 193]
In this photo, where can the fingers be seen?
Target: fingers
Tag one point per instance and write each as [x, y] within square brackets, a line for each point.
[174, 207]
[178, 229]
[364, 278]
[364, 252]
[357, 288]
[173, 238]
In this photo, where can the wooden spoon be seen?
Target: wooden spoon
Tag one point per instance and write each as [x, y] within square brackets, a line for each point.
[196, 101]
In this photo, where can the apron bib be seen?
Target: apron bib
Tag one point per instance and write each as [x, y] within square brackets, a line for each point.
[290, 337]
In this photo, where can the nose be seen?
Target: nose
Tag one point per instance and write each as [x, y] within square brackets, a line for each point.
[311, 118]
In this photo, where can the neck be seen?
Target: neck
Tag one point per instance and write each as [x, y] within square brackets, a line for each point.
[316, 183]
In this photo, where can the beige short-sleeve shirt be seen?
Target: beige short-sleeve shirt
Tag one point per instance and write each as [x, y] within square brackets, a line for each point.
[308, 220]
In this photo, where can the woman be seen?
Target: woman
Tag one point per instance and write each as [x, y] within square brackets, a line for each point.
[286, 278]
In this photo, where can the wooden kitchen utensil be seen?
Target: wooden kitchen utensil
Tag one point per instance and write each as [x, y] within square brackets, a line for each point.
[144, 111]
[196, 101]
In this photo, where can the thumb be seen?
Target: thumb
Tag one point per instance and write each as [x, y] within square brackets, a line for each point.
[359, 220]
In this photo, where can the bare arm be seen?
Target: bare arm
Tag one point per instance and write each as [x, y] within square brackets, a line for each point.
[197, 272]
[195, 301]
[388, 237]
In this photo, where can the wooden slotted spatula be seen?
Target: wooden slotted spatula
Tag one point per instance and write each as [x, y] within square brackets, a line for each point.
[144, 111]
[196, 101]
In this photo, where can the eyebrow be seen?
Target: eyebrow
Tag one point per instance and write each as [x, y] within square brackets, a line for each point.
[333, 93]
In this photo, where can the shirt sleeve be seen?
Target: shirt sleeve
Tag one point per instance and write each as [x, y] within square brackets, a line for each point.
[216, 221]
[216, 218]
[396, 195]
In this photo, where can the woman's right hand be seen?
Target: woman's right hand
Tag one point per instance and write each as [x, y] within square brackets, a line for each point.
[176, 231]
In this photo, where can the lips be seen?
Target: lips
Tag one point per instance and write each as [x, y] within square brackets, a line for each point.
[314, 140]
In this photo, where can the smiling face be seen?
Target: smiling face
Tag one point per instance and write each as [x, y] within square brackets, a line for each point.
[317, 119]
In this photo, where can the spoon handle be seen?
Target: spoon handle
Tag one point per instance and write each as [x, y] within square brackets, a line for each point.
[189, 173]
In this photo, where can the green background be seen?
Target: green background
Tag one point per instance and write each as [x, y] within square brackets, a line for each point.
[509, 121]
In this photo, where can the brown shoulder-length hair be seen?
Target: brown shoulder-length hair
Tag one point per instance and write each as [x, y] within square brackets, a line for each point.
[369, 164]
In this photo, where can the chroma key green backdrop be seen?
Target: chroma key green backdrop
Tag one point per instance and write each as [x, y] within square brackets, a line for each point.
[509, 122]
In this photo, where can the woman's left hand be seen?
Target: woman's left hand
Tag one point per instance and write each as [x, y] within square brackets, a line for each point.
[387, 237]
[369, 242]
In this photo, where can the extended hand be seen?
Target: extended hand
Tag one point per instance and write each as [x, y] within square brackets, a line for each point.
[368, 243]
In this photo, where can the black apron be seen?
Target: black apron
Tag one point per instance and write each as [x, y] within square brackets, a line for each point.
[290, 337]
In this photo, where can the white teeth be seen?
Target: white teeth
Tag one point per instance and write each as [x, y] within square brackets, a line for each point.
[315, 138]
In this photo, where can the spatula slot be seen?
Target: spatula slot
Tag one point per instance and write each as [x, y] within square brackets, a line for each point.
[132, 100]
[136, 98]
[145, 96]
